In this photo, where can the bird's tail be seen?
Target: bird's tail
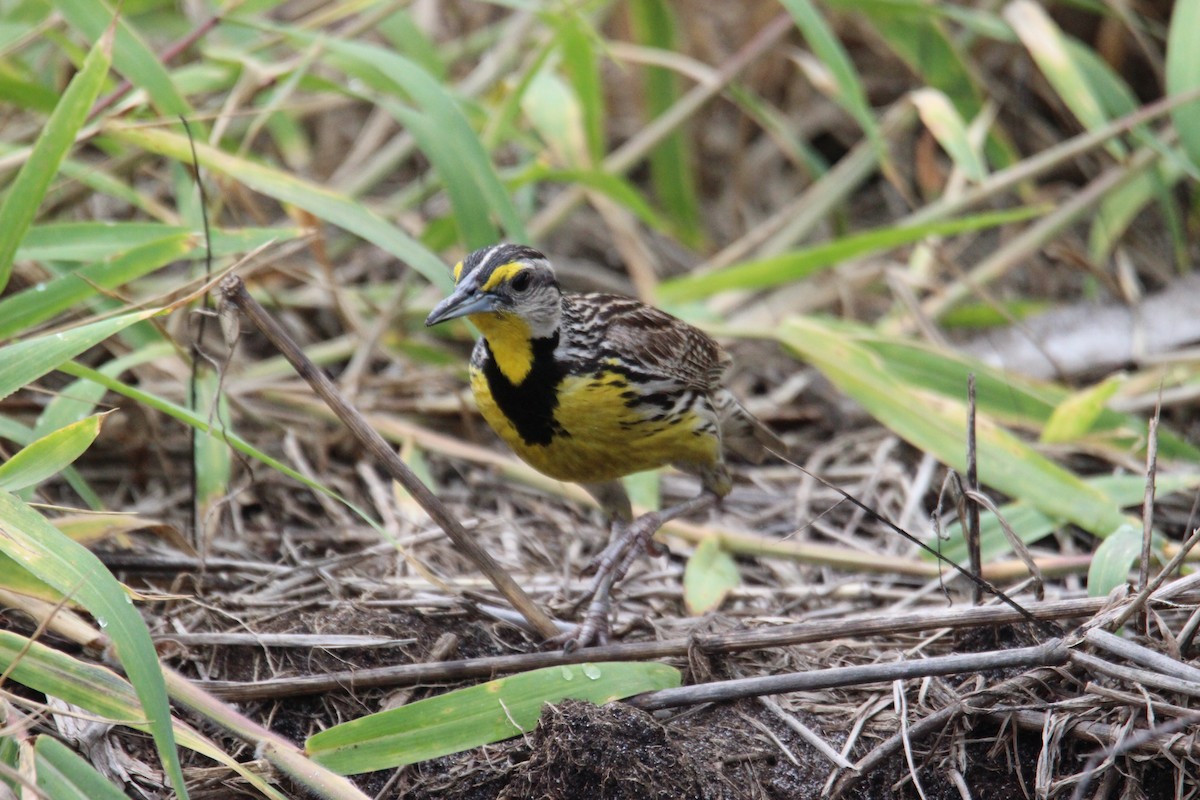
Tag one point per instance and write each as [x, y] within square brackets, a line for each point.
[743, 433]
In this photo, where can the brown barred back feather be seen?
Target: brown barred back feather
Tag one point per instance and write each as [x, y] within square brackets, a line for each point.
[591, 387]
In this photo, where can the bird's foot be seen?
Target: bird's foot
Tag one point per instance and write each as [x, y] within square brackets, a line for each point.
[610, 567]
[627, 546]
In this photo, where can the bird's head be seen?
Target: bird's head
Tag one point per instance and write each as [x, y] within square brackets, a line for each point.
[505, 289]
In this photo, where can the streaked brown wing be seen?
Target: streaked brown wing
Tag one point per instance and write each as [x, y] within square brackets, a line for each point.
[659, 343]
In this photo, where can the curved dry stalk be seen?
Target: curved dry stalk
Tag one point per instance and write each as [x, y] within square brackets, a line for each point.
[233, 291]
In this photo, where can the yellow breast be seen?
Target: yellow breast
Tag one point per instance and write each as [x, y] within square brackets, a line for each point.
[598, 437]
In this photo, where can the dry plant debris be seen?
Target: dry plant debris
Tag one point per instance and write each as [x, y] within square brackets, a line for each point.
[739, 104]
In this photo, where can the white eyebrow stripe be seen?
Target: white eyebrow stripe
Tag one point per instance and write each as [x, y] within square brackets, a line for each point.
[487, 260]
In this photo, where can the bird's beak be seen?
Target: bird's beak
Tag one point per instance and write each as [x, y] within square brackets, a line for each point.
[465, 300]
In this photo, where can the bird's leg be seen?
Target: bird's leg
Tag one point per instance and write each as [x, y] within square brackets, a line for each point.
[616, 560]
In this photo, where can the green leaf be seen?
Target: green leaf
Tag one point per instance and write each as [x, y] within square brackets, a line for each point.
[1113, 559]
[319, 201]
[672, 170]
[1122, 205]
[27, 538]
[37, 304]
[440, 127]
[1030, 525]
[49, 455]
[101, 692]
[850, 92]
[188, 417]
[94, 241]
[937, 425]
[614, 187]
[63, 775]
[1075, 416]
[917, 33]
[24, 362]
[132, 56]
[19, 90]
[1009, 398]
[577, 41]
[644, 489]
[27, 190]
[1048, 46]
[478, 715]
[557, 115]
[799, 264]
[1183, 73]
[710, 575]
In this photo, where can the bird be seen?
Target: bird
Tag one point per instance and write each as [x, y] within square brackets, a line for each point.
[589, 388]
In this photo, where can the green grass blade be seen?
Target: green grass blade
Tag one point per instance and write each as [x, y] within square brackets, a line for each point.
[72, 570]
[1183, 73]
[672, 168]
[442, 130]
[1123, 205]
[557, 115]
[49, 455]
[24, 436]
[1009, 398]
[94, 241]
[407, 36]
[1048, 46]
[201, 423]
[91, 241]
[319, 201]
[614, 187]
[1076, 416]
[24, 362]
[131, 55]
[80, 398]
[63, 775]
[937, 425]
[850, 92]
[577, 44]
[477, 715]
[1156, 179]
[1127, 491]
[944, 122]
[101, 692]
[29, 187]
[37, 304]
[799, 264]
[917, 34]
[18, 90]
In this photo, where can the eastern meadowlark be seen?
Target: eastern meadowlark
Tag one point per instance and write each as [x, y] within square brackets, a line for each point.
[588, 388]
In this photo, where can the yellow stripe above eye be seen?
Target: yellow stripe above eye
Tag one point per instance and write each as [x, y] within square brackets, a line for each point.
[501, 274]
[457, 271]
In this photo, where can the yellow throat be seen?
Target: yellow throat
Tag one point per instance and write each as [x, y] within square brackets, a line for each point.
[509, 337]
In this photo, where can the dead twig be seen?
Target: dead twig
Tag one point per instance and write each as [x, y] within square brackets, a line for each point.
[1051, 653]
[935, 722]
[974, 557]
[1134, 652]
[733, 642]
[1148, 502]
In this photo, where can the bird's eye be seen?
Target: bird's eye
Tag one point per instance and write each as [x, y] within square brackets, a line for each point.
[520, 281]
